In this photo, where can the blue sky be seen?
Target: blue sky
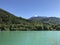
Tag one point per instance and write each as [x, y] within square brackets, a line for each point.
[29, 8]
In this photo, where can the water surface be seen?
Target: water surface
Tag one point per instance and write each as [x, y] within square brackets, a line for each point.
[30, 38]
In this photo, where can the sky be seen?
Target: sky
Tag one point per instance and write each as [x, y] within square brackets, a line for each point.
[29, 8]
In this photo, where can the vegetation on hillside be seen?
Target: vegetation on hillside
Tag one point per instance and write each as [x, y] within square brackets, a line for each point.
[10, 22]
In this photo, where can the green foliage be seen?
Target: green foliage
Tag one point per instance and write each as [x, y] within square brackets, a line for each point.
[9, 22]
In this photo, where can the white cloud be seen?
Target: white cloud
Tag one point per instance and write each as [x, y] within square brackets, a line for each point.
[35, 15]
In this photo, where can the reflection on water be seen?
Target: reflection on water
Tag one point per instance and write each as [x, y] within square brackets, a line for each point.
[53, 41]
[30, 38]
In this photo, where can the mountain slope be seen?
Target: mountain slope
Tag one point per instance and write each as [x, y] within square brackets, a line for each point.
[10, 22]
[53, 20]
[39, 18]
[8, 18]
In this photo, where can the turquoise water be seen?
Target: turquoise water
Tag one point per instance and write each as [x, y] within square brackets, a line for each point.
[30, 38]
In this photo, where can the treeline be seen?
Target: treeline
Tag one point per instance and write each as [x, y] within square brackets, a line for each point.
[22, 27]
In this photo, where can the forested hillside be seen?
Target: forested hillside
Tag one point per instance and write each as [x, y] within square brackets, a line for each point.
[10, 22]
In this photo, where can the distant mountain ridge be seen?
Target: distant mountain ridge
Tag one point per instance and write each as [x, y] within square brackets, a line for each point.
[39, 18]
[53, 20]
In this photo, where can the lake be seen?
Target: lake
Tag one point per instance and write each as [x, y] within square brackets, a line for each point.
[30, 38]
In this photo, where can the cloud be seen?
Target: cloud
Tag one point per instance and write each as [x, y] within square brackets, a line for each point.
[35, 15]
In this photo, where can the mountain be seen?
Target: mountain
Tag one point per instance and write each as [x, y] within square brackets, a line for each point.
[8, 18]
[10, 22]
[52, 20]
[39, 18]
